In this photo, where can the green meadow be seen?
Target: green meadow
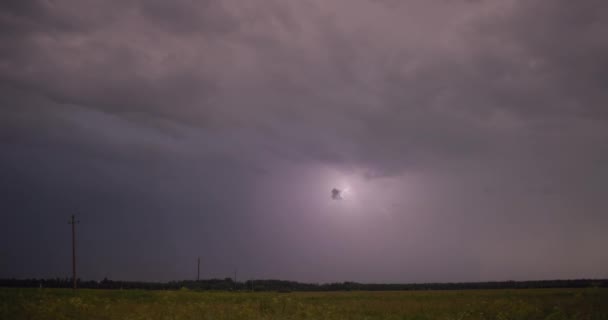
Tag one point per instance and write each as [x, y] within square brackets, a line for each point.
[550, 304]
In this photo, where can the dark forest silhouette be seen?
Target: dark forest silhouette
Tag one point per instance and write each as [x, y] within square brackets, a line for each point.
[286, 286]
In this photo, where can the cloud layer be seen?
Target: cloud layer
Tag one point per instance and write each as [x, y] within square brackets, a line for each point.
[473, 135]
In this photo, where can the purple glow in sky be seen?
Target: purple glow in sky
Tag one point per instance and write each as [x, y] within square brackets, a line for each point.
[469, 139]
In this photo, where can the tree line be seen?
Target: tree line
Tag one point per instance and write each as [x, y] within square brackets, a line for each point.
[227, 284]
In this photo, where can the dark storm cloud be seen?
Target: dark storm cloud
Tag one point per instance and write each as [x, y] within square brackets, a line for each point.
[564, 53]
[35, 16]
[335, 194]
[197, 127]
[208, 16]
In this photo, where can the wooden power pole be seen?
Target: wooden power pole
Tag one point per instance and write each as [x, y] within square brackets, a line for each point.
[235, 279]
[73, 222]
[198, 270]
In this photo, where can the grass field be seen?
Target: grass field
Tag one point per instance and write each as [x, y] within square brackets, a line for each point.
[553, 304]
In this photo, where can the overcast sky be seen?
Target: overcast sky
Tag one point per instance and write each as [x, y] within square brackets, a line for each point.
[472, 136]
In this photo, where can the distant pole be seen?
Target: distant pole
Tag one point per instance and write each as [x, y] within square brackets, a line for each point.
[198, 270]
[235, 278]
[73, 222]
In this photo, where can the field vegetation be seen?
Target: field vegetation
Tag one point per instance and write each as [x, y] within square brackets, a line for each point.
[58, 304]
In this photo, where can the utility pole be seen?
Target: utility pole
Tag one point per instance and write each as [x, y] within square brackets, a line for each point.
[198, 270]
[73, 222]
[235, 278]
